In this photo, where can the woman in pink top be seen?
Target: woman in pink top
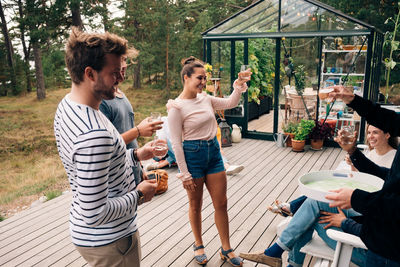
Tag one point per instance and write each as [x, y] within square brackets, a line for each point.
[193, 130]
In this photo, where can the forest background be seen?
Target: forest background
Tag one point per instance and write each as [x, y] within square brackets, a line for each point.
[33, 77]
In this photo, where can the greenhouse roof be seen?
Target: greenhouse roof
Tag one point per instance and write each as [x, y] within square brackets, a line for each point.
[287, 18]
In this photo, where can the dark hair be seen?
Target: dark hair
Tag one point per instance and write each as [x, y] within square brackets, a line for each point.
[89, 50]
[189, 64]
[392, 141]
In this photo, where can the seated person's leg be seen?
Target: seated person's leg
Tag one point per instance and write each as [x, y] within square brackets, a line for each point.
[170, 155]
[296, 203]
[304, 218]
[359, 255]
[295, 257]
[298, 230]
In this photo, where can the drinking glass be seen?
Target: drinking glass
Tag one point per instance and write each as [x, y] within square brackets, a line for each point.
[324, 93]
[160, 147]
[155, 116]
[348, 134]
[244, 68]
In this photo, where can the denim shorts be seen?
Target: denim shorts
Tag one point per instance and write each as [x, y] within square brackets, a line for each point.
[203, 157]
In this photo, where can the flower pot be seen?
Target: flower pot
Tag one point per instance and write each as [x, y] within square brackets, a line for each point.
[289, 139]
[317, 144]
[298, 145]
[253, 111]
[264, 106]
[270, 104]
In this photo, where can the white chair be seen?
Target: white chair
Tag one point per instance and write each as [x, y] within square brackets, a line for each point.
[344, 247]
[325, 256]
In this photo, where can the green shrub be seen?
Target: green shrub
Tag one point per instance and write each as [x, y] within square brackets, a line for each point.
[303, 129]
[53, 194]
[290, 127]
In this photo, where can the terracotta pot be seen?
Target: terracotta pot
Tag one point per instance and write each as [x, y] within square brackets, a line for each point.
[317, 144]
[298, 145]
[289, 139]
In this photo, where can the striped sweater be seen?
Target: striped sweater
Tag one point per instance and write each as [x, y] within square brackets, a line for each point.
[99, 169]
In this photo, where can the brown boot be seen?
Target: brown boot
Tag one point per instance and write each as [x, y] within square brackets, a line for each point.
[260, 257]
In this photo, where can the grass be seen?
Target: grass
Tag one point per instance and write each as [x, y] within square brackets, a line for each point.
[53, 194]
[30, 163]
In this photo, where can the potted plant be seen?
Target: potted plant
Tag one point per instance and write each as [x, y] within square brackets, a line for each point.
[260, 89]
[289, 129]
[302, 131]
[320, 132]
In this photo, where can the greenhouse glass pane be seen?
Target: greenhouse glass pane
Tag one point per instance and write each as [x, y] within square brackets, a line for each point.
[262, 17]
[299, 15]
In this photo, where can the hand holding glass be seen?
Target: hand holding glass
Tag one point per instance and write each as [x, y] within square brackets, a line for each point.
[348, 134]
[245, 75]
[160, 147]
[155, 116]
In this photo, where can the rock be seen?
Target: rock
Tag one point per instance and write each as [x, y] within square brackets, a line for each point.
[35, 203]
[43, 199]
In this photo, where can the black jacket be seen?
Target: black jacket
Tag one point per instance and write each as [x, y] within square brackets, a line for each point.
[381, 210]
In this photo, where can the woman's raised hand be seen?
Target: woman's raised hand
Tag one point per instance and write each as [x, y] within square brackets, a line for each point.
[244, 76]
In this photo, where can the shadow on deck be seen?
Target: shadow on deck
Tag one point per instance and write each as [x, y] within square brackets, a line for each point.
[40, 236]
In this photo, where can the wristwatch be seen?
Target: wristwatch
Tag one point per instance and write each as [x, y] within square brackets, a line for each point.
[141, 197]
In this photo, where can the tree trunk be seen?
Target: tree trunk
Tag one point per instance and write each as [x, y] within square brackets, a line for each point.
[9, 49]
[136, 75]
[40, 90]
[104, 16]
[166, 62]
[76, 14]
[25, 49]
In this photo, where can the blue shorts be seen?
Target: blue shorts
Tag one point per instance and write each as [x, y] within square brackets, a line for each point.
[203, 157]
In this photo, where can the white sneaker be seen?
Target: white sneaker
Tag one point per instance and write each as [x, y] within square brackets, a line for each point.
[151, 166]
[233, 169]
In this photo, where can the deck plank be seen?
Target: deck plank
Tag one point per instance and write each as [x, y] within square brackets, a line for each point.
[39, 236]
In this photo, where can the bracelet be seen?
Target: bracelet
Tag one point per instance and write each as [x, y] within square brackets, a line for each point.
[137, 128]
[135, 156]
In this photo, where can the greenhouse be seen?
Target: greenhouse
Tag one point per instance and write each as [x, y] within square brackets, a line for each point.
[314, 45]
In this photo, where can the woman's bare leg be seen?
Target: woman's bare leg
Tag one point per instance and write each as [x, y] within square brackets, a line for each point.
[216, 186]
[195, 205]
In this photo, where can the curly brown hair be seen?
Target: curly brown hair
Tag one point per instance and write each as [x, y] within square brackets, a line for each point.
[89, 50]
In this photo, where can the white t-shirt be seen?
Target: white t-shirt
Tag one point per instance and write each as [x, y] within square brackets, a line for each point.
[384, 160]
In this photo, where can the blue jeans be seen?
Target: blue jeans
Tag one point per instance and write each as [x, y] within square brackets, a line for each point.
[300, 230]
[374, 260]
[296, 203]
[203, 157]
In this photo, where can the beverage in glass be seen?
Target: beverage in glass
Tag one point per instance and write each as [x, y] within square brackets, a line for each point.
[244, 68]
[160, 147]
[324, 93]
[155, 116]
[348, 134]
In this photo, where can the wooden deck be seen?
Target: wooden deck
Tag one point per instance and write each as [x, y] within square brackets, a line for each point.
[40, 236]
[265, 123]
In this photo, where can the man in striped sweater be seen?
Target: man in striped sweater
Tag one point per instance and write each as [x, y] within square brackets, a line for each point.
[99, 168]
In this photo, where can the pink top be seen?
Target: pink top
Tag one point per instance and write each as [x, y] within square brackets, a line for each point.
[194, 119]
